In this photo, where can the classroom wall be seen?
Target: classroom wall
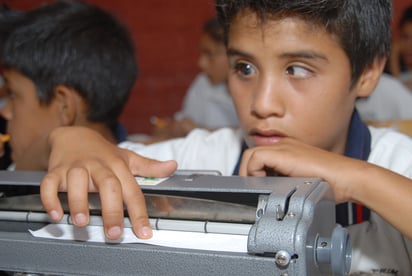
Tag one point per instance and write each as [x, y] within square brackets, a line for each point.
[398, 7]
[166, 34]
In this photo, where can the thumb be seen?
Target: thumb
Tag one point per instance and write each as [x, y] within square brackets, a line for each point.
[147, 167]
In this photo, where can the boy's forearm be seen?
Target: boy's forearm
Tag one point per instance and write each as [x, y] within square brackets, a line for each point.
[385, 192]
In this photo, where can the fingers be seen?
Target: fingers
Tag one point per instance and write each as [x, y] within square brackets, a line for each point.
[252, 164]
[149, 167]
[134, 198]
[136, 207]
[108, 170]
[110, 190]
[49, 198]
[77, 190]
[273, 160]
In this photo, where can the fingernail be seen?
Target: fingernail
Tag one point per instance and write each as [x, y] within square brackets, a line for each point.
[54, 215]
[80, 219]
[114, 232]
[146, 232]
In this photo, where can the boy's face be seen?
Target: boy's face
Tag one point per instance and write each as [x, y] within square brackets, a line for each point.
[213, 59]
[29, 123]
[288, 79]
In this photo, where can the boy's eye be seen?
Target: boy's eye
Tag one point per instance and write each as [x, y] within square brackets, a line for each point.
[298, 72]
[244, 68]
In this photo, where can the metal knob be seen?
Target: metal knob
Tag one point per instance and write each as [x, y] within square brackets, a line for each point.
[282, 258]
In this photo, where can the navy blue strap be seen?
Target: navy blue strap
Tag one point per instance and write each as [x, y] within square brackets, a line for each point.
[237, 167]
[120, 133]
[358, 146]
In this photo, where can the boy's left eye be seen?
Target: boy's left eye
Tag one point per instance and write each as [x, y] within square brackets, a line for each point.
[298, 72]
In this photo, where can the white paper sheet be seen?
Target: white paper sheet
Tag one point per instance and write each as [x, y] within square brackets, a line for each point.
[179, 239]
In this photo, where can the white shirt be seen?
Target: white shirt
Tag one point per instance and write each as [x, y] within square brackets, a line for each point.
[208, 105]
[390, 101]
[199, 150]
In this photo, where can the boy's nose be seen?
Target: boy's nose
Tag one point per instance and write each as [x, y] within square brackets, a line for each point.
[268, 100]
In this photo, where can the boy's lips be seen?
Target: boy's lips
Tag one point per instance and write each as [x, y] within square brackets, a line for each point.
[265, 138]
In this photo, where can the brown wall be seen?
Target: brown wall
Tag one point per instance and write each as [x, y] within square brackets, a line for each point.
[166, 33]
[398, 7]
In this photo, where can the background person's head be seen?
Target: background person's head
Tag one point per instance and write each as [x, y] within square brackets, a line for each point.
[405, 39]
[79, 46]
[213, 60]
[65, 63]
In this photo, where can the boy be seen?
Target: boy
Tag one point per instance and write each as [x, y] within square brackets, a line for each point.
[66, 63]
[207, 103]
[297, 68]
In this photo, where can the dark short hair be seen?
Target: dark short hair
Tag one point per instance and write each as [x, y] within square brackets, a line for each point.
[8, 19]
[361, 27]
[77, 45]
[406, 17]
[214, 29]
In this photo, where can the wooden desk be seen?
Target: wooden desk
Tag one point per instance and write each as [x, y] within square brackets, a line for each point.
[404, 126]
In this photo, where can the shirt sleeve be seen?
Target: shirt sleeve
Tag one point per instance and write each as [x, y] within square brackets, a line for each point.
[199, 150]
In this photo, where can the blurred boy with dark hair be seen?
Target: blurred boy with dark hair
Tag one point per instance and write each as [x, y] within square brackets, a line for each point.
[65, 63]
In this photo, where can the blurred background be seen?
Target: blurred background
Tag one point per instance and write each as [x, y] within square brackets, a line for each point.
[167, 36]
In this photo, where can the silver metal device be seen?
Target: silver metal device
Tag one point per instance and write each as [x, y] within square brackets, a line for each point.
[289, 223]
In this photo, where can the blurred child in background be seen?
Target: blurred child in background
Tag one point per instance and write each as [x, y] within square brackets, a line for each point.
[207, 103]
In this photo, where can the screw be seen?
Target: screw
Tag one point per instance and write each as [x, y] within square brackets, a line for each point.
[282, 258]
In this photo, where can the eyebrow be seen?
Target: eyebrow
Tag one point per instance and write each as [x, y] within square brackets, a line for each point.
[286, 55]
[233, 52]
[305, 55]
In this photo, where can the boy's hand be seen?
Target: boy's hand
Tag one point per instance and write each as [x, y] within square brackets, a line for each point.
[82, 161]
[182, 127]
[296, 159]
[350, 179]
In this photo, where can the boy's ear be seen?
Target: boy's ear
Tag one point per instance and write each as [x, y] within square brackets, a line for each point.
[370, 77]
[65, 98]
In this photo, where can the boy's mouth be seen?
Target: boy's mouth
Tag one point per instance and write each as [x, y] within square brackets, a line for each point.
[265, 137]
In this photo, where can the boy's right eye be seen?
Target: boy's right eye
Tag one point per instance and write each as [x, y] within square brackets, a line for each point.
[243, 68]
